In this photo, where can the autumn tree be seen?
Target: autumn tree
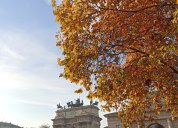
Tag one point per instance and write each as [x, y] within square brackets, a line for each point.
[123, 52]
[44, 126]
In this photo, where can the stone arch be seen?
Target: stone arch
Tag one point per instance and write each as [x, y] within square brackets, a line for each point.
[155, 125]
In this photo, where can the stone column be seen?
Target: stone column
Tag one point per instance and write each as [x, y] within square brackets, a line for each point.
[169, 122]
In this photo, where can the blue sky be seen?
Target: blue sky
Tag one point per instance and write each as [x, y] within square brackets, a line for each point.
[29, 83]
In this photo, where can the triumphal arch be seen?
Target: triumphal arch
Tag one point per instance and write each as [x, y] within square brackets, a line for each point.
[76, 115]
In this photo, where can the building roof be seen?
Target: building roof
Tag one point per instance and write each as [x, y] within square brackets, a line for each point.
[111, 115]
[8, 125]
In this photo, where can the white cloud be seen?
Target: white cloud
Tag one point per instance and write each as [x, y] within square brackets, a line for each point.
[35, 103]
[29, 75]
[30, 87]
[8, 53]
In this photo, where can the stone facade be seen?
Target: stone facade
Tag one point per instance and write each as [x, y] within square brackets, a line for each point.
[164, 119]
[77, 117]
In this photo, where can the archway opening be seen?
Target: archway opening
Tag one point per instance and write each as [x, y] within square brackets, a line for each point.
[155, 125]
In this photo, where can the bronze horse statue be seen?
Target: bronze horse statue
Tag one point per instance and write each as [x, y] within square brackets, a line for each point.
[59, 106]
[77, 103]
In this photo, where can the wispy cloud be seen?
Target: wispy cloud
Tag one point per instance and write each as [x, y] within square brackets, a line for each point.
[7, 53]
[27, 63]
[28, 71]
[25, 50]
[30, 87]
[36, 103]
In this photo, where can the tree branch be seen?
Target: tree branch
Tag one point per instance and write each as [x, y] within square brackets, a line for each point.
[171, 67]
[146, 54]
[138, 10]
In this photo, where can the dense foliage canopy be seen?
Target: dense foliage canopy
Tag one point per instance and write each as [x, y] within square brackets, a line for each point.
[123, 52]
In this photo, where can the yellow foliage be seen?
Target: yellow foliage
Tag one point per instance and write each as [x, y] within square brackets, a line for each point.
[79, 91]
[123, 53]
